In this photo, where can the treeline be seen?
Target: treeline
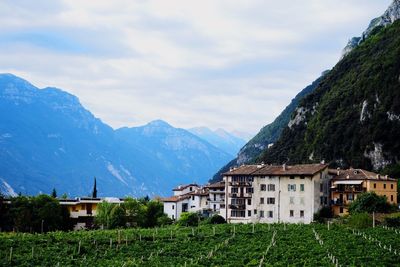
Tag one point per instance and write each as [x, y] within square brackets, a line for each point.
[141, 212]
[41, 213]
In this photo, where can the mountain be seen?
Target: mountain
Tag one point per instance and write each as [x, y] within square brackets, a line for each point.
[389, 16]
[272, 132]
[49, 140]
[353, 117]
[220, 138]
[269, 133]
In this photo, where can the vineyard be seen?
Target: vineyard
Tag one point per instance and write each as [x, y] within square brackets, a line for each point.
[219, 245]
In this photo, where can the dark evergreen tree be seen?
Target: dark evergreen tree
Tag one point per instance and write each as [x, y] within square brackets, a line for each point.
[54, 193]
[94, 193]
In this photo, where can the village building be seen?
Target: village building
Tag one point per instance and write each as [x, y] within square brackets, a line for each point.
[83, 210]
[272, 194]
[206, 200]
[346, 185]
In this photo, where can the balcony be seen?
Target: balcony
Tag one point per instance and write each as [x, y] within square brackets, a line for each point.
[237, 207]
[348, 189]
[238, 195]
[340, 202]
[241, 184]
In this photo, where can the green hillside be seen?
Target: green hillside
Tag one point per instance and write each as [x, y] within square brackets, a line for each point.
[353, 116]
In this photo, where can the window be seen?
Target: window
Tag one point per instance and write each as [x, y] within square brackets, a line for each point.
[302, 213]
[291, 177]
[391, 197]
[384, 186]
[350, 196]
[291, 200]
[291, 187]
[249, 213]
[301, 177]
[215, 207]
[261, 200]
[391, 186]
[271, 187]
[249, 190]
[173, 217]
[263, 187]
[291, 213]
[271, 200]
[321, 200]
[190, 189]
[234, 190]
[261, 214]
[341, 210]
[255, 212]
[270, 214]
[249, 202]
[215, 197]
[302, 187]
[192, 197]
[321, 188]
[238, 213]
[302, 200]
[374, 185]
[173, 207]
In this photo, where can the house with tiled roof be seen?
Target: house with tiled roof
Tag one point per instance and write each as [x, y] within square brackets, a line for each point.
[206, 200]
[271, 193]
[346, 185]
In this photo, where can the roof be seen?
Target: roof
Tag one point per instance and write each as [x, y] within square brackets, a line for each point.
[175, 198]
[220, 184]
[278, 170]
[200, 193]
[183, 187]
[243, 170]
[357, 174]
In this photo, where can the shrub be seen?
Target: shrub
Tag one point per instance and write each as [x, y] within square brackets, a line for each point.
[323, 214]
[360, 220]
[217, 219]
[392, 220]
[189, 219]
[370, 202]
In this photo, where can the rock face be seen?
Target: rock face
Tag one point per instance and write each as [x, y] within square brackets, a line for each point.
[49, 140]
[391, 15]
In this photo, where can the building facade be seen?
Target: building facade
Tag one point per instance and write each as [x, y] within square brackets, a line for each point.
[346, 185]
[272, 194]
[206, 200]
[83, 210]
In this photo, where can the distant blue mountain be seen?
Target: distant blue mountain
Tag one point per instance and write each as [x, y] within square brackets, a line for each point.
[49, 140]
[221, 139]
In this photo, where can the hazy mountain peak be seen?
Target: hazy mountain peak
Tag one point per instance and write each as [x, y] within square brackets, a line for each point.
[158, 123]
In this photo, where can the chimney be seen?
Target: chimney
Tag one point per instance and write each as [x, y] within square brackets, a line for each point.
[338, 171]
[284, 166]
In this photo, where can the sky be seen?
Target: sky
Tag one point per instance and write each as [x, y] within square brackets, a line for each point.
[231, 64]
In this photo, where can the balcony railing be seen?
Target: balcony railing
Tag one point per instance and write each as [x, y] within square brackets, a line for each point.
[238, 195]
[237, 207]
[242, 184]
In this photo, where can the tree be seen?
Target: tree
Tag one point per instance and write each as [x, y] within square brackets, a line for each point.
[54, 193]
[135, 212]
[370, 202]
[94, 192]
[155, 209]
[47, 214]
[117, 217]
[103, 214]
[64, 196]
[189, 219]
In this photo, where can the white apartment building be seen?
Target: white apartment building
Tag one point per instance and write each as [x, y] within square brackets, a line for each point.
[272, 194]
[206, 200]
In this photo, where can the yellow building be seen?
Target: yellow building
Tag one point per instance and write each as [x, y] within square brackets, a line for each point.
[82, 210]
[347, 184]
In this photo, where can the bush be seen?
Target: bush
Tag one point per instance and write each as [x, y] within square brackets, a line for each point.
[323, 214]
[217, 219]
[370, 202]
[360, 220]
[164, 220]
[393, 220]
[189, 219]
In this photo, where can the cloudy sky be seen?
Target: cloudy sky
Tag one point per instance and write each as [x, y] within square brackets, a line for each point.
[233, 64]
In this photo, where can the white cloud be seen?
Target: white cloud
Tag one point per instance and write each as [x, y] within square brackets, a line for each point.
[231, 64]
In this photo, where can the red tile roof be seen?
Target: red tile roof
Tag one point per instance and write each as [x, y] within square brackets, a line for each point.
[357, 174]
[275, 170]
[175, 198]
[216, 185]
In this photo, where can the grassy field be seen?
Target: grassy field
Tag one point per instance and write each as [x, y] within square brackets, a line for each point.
[220, 245]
